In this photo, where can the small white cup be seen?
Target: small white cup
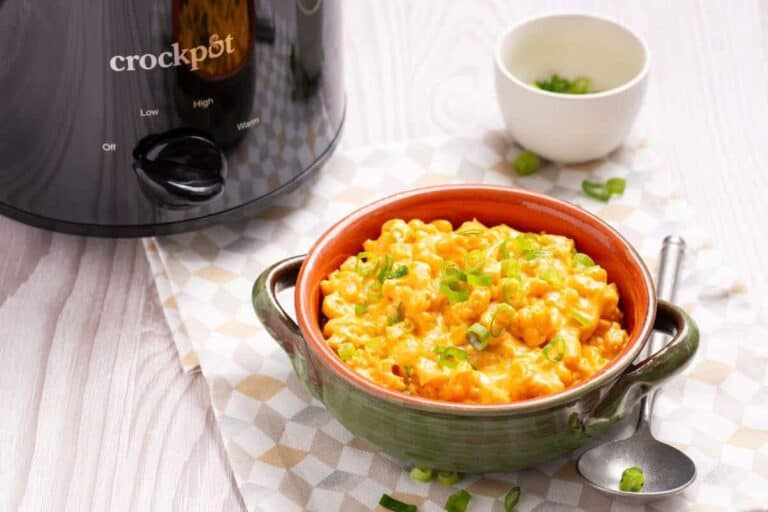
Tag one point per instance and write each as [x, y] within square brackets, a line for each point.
[570, 128]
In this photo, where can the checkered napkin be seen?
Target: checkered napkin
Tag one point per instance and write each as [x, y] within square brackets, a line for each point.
[289, 454]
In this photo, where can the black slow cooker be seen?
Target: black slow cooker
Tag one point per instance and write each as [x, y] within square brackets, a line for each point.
[140, 117]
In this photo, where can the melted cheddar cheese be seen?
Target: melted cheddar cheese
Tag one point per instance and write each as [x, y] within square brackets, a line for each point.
[475, 315]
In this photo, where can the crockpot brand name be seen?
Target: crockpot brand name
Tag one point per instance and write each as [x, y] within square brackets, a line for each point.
[176, 56]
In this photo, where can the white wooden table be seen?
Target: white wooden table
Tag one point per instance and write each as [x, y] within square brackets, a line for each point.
[95, 413]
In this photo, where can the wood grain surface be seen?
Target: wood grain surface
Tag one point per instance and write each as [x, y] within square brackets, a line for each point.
[95, 413]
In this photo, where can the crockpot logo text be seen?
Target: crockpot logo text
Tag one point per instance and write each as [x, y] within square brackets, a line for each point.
[176, 56]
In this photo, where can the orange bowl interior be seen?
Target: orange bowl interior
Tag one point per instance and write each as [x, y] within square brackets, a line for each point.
[521, 210]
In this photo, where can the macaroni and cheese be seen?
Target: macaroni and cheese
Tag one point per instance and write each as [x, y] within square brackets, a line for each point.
[480, 315]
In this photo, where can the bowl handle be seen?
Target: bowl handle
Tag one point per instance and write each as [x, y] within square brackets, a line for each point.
[276, 321]
[652, 371]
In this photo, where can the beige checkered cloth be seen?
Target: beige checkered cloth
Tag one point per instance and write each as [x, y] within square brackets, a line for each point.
[289, 454]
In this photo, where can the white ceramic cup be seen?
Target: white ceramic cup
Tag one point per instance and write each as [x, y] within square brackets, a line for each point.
[570, 128]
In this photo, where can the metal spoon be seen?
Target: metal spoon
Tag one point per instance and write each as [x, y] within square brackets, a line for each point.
[667, 470]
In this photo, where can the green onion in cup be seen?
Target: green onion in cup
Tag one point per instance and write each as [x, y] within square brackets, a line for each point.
[559, 84]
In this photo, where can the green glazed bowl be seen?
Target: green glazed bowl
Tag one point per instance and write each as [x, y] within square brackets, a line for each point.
[469, 437]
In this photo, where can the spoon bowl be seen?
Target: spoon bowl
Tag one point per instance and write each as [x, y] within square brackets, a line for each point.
[667, 470]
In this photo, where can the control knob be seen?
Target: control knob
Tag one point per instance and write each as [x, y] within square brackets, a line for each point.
[182, 167]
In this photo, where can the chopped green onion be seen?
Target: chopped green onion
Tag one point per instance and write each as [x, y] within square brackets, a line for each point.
[580, 85]
[361, 308]
[387, 272]
[632, 479]
[374, 291]
[527, 163]
[552, 276]
[458, 502]
[397, 273]
[526, 242]
[497, 324]
[346, 351]
[479, 279]
[398, 317]
[451, 272]
[477, 335]
[582, 260]
[421, 474]
[448, 477]
[556, 83]
[469, 232]
[527, 245]
[367, 264]
[385, 268]
[555, 349]
[510, 268]
[532, 254]
[583, 318]
[509, 289]
[559, 84]
[503, 250]
[604, 191]
[616, 186]
[596, 190]
[390, 503]
[511, 499]
[450, 356]
[474, 261]
[455, 290]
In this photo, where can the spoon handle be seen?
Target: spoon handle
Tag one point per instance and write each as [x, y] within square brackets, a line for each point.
[672, 252]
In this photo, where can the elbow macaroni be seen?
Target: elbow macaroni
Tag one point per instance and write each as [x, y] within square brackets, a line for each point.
[551, 317]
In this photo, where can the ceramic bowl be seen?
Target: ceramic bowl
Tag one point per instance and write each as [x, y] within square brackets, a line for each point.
[570, 128]
[467, 437]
